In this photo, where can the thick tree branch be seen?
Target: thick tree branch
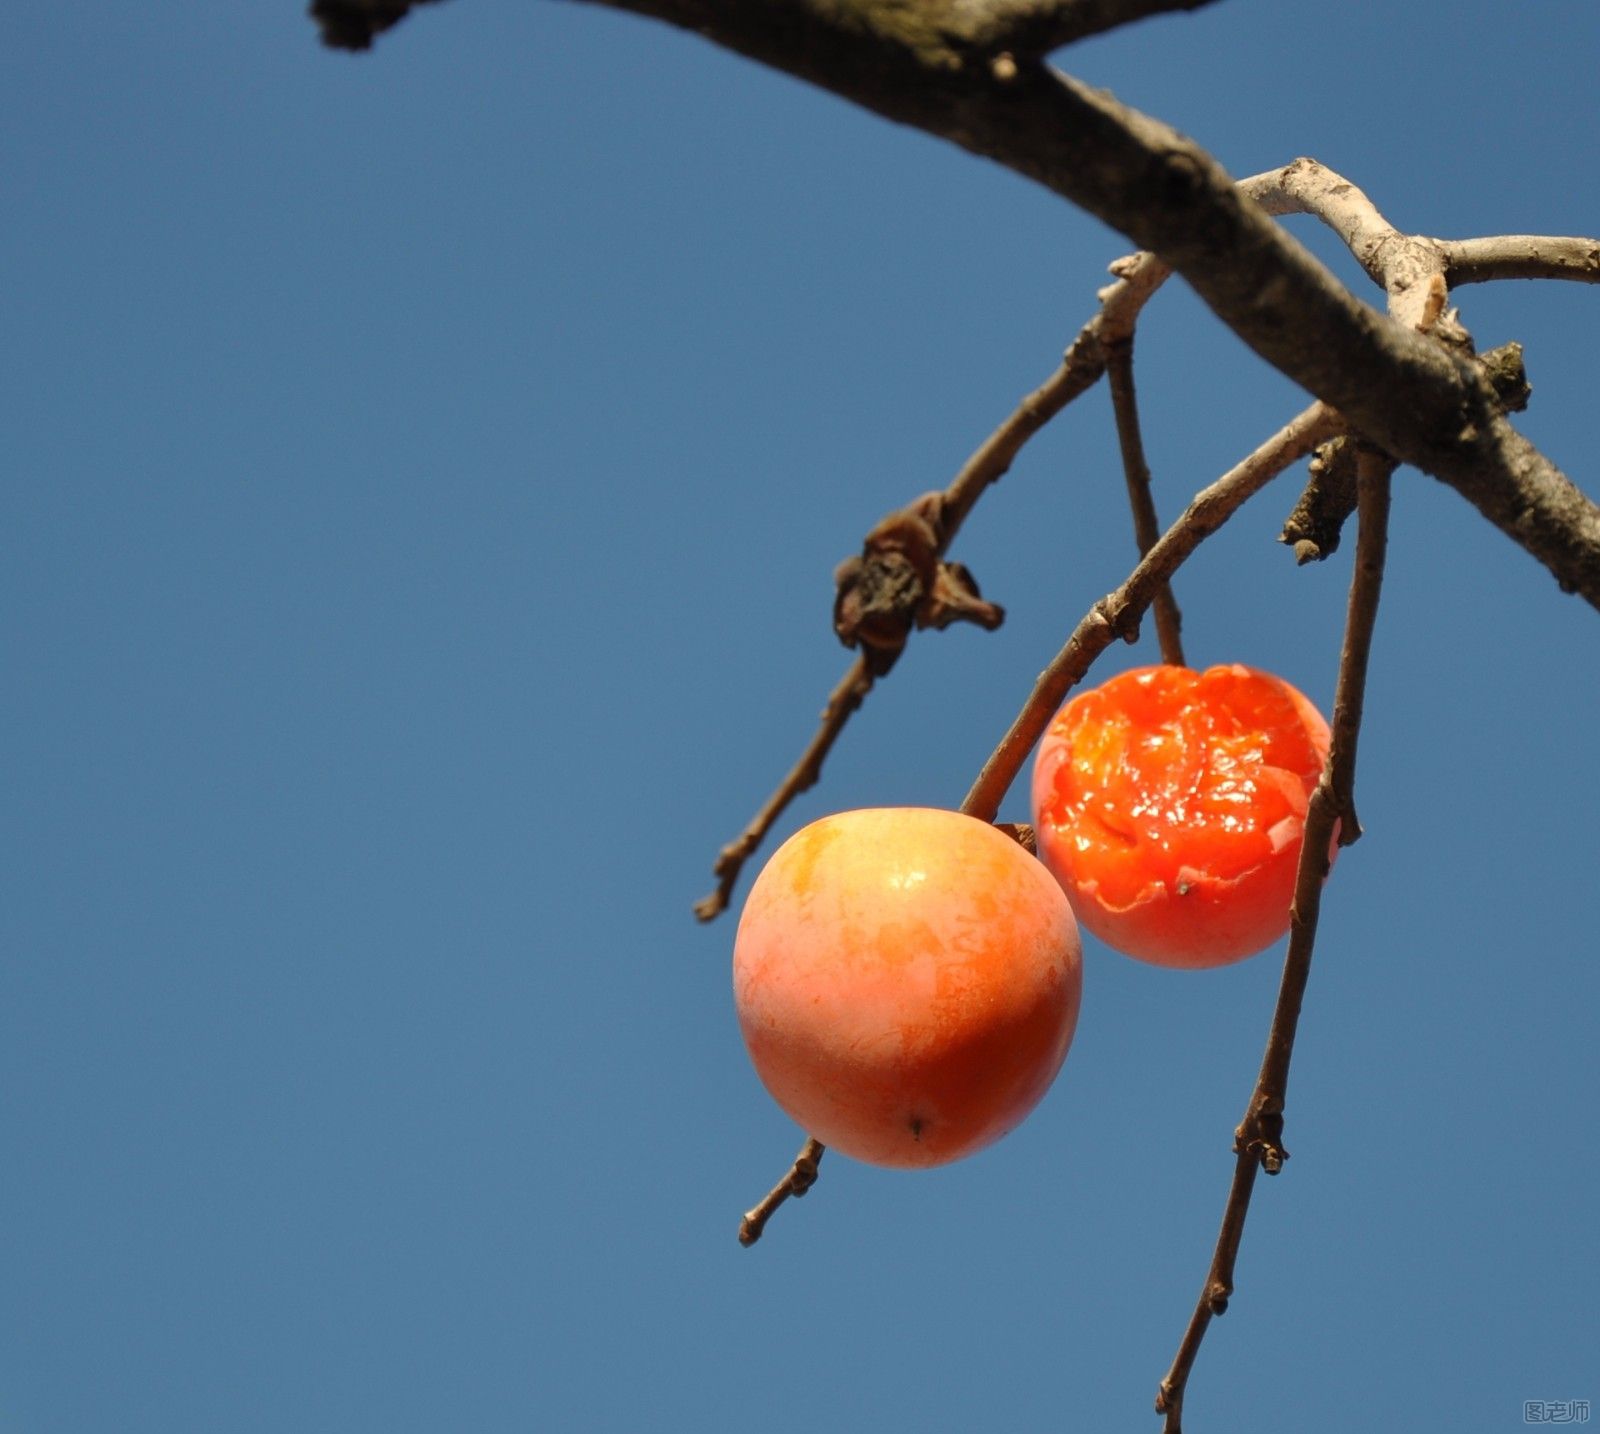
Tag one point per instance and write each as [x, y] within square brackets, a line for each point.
[1412, 397]
[940, 66]
[982, 27]
[1036, 27]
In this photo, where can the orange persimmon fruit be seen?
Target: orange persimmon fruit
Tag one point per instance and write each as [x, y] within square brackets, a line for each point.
[1171, 804]
[907, 983]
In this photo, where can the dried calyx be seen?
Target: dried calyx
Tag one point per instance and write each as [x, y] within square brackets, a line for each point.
[899, 582]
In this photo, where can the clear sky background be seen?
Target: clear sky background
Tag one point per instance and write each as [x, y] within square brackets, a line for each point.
[423, 477]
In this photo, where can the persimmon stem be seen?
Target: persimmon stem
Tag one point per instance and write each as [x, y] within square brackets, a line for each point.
[1118, 613]
[801, 1177]
[1258, 1141]
[1136, 473]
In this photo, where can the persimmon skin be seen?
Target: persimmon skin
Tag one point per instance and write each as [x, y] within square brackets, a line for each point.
[1171, 806]
[907, 982]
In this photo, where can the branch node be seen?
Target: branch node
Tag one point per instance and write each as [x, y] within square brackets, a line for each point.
[1021, 833]
[1507, 376]
[1122, 617]
[900, 582]
[1329, 497]
[801, 1177]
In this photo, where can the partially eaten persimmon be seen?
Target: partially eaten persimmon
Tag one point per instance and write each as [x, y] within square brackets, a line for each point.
[907, 982]
[1171, 805]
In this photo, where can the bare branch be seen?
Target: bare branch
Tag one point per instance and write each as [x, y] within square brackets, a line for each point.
[1136, 473]
[1120, 304]
[1415, 399]
[801, 1177]
[1118, 613]
[1258, 1142]
[1410, 270]
[1373, 472]
[1521, 256]
[919, 64]
[1081, 368]
[850, 693]
[983, 28]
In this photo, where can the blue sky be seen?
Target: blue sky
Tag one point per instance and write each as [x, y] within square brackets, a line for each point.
[424, 476]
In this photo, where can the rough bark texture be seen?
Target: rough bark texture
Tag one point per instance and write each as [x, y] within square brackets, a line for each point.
[969, 71]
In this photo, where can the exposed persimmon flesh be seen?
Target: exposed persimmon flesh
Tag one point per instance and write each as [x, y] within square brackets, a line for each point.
[1170, 805]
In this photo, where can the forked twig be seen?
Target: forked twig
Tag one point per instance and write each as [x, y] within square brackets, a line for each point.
[801, 1177]
[1118, 613]
[1258, 1142]
[1138, 277]
[1412, 270]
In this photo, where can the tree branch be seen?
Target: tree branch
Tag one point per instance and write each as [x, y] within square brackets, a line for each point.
[801, 1177]
[1521, 256]
[1118, 613]
[1412, 397]
[1136, 473]
[1036, 27]
[1410, 270]
[1258, 1142]
[985, 28]
[1138, 277]
[934, 65]
[848, 695]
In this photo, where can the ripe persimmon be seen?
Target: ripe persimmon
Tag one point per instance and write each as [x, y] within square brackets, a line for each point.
[1171, 804]
[907, 982]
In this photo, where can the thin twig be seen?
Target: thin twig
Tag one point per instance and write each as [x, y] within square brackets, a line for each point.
[1081, 367]
[801, 1177]
[842, 701]
[1521, 256]
[1118, 613]
[1136, 472]
[1258, 1142]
